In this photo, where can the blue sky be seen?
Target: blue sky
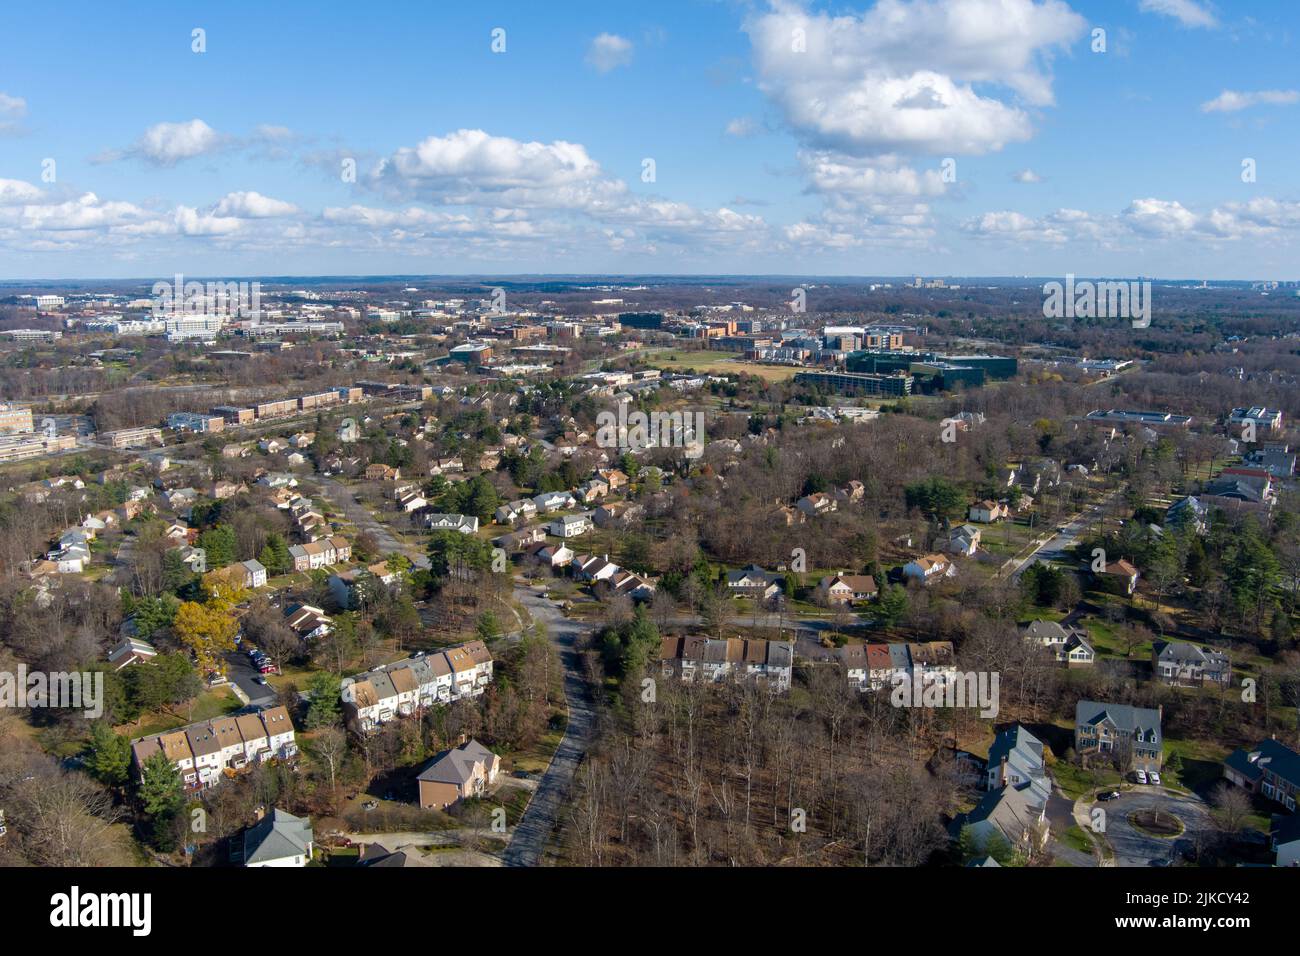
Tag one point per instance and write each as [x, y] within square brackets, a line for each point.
[943, 137]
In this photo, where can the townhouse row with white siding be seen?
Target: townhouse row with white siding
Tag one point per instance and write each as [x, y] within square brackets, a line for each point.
[203, 752]
[423, 680]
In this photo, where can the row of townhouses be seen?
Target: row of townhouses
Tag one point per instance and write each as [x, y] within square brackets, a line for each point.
[770, 662]
[423, 680]
[873, 666]
[202, 752]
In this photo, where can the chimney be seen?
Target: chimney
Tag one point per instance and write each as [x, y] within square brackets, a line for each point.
[1002, 773]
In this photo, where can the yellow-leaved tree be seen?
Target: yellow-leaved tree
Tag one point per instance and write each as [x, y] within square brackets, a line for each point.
[209, 629]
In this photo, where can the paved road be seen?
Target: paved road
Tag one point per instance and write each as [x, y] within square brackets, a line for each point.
[1135, 848]
[538, 822]
[1057, 547]
[343, 498]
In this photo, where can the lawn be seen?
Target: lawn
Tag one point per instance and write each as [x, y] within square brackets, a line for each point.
[1077, 839]
[719, 363]
[1075, 781]
[1202, 764]
[216, 702]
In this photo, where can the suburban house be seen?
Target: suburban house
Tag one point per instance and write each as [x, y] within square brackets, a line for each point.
[465, 524]
[130, 651]
[307, 622]
[769, 662]
[931, 567]
[753, 582]
[964, 540]
[205, 751]
[279, 839]
[1015, 807]
[1119, 576]
[591, 491]
[1131, 736]
[847, 588]
[631, 584]
[344, 586]
[593, 567]
[1011, 814]
[254, 573]
[555, 556]
[512, 511]
[1278, 460]
[613, 477]
[522, 539]
[1016, 760]
[1269, 768]
[1068, 645]
[380, 472]
[1285, 833]
[1189, 511]
[987, 511]
[554, 501]
[457, 774]
[571, 526]
[616, 514]
[818, 503]
[1180, 664]
[411, 501]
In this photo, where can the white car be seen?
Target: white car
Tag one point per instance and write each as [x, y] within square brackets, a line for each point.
[1153, 777]
[1140, 776]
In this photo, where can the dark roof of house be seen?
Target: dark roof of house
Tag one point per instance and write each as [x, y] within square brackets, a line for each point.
[277, 837]
[1279, 759]
[1124, 716]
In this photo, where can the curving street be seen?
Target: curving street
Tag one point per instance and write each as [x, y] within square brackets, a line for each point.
[534, 830]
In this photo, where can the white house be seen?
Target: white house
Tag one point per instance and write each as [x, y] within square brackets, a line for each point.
[465, 524]
[570, 526]
[931, 567]
[254, 573]
[554, 501]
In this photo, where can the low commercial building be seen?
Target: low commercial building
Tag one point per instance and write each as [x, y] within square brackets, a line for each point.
[133, 437]
[195, 422]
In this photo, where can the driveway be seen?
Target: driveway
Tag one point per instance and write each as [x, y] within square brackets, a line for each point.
[534, 829]
[1133, 847]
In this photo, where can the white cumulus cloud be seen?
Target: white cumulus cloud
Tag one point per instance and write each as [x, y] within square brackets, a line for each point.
[608, 51]
[1230, 101]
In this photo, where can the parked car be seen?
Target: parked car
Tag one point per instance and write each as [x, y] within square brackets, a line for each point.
[1108, 795]
[1153, 777]
[269, 668]
[1140, 776]
[259, 679]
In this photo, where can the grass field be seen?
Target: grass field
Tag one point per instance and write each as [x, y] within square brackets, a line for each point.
[718, 363]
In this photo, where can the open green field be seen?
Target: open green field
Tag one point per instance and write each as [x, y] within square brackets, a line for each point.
[717, 363]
